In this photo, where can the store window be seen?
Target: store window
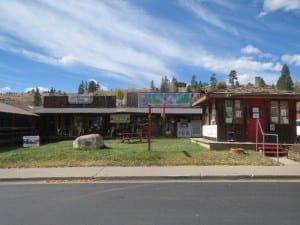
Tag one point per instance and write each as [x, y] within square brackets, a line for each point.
[279, 112]
[234, 112]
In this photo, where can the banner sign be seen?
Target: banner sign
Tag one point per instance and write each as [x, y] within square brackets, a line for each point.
[31, 141]
[120, 118]
[167, 99]
[80, 99]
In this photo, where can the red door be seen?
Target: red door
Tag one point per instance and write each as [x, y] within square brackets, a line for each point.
[256, 109]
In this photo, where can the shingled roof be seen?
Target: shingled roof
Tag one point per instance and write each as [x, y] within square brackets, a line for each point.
[248, 92]
[6, 108]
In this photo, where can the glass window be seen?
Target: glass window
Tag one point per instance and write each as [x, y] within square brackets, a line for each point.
[284, 112]
[279, 112]
[274, 112]
[234, 112]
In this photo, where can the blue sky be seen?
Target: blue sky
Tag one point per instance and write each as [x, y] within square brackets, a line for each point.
[126, 44]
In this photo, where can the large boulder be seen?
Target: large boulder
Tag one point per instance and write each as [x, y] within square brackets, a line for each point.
[89, 141]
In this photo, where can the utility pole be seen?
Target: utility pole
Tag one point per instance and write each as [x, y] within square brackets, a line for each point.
[149, 127]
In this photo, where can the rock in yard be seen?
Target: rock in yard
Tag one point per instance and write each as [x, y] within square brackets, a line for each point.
[89, 141]
[236, 150]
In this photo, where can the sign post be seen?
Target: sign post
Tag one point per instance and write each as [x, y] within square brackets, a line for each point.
[149, 127]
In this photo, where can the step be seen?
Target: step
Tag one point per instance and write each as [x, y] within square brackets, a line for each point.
[271, 150]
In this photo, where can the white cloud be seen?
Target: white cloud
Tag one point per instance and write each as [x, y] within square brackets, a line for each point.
[291, 59]
[67, 60]
[248, 67]
[41, 89]
[250, 50]
[274, 5]
[197, 7]
[6, 89]
[118, 38]
[110, 36]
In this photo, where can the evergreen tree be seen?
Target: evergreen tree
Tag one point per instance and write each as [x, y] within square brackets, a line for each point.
[92, 87]
[37, 98]
[86, 86]
[81, 88]
[165, 84]
[152, 86]
[285, 81]
[194, 83]
[213, 82]
[232, 76]
[52, 91]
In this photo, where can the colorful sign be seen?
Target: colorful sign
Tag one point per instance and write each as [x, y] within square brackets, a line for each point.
[167, 99]
[31, 141]
[80, 99]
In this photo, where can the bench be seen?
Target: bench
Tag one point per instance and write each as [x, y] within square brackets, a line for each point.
[130, 136]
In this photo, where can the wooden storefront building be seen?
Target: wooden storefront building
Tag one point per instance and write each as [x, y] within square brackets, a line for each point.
[72, 116]
[232, 115]
[15, 122]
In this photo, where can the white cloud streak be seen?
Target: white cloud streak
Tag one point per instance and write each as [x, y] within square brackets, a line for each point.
[274, 5]
[291, 59]
[115, 37]
[96, 34]
[41, 89]
[250, 50]
[243, 65]
[198, 8]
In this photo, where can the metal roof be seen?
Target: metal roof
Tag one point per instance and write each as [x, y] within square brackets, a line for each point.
[6, 108]
[115, 110]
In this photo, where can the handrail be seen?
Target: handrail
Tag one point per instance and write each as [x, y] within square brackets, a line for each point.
[258, 125]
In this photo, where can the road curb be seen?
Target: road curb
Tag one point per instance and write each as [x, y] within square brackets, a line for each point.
[151, 178]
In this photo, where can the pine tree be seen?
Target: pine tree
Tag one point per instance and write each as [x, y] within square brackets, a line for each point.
[152, 86]
[232, 76]
[81, 88]
[194, 83]
[165, 84]
[285, 81]
[37, 98]
[52, 91]
[213, 82]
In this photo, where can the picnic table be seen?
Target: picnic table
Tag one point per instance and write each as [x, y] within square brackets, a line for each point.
[130, 136]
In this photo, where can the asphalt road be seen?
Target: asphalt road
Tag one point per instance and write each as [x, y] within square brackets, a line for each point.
[151, 203]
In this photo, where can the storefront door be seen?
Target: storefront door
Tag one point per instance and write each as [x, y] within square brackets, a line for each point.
[256, 109]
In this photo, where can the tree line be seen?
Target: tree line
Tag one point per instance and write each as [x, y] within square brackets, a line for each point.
[284, 82]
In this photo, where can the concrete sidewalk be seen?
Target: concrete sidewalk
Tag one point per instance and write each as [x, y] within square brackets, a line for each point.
[151, 173]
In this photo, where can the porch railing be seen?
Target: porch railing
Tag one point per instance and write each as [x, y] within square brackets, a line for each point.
[259, 128]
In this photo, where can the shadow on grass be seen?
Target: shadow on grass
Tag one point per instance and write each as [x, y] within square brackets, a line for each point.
[9, 148]
[187, 154]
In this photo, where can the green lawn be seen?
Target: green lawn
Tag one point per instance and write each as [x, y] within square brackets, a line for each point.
[294, 153]
[164, 152]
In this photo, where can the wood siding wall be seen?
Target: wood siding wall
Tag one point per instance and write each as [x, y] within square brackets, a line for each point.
[13, 127]
[62, 102]
[132, 99]
[286, 132]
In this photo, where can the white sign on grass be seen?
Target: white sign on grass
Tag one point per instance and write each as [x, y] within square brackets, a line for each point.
[31, 141]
